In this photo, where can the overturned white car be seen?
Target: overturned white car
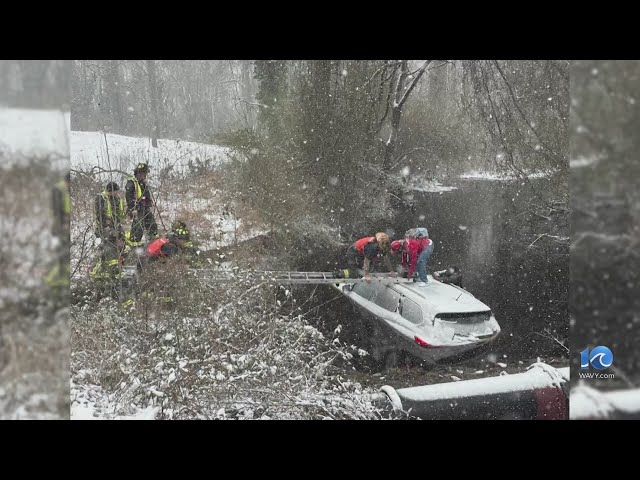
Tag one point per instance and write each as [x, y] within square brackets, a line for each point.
[433, 323]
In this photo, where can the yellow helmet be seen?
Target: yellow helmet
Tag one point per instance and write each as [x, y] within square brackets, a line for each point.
[179, 230]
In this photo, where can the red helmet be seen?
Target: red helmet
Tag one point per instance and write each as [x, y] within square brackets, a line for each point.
[396, 246]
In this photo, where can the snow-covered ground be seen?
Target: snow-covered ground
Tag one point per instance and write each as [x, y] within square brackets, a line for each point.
[119, 152]
[198, 200]
[494, 176]
[34, 341]
[582, 162]
[430, 186]
[27, 134]
[91, 402]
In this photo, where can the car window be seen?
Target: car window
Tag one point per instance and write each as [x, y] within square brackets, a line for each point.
[388, 299]
[411, 311]
[365, 290]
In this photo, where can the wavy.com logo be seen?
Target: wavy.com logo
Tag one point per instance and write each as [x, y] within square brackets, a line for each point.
[599, 358]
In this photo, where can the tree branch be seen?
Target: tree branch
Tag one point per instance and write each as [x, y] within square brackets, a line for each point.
[517, 105]
[413, 83]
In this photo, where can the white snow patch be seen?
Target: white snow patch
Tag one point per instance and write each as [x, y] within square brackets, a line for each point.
[88, 412]
[418, 184]
[89, 149]
[582, 162]
[31, 133]
[495, 176]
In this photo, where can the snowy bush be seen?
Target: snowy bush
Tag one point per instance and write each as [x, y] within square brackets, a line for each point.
[34, 336]
[225, 350]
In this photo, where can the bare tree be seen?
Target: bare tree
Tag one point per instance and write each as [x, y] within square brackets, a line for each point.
[153, 95]
[404, 86]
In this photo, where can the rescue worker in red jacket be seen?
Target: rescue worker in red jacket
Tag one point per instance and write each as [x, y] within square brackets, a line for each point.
[176, 241]
[366, 253]
[415, 252]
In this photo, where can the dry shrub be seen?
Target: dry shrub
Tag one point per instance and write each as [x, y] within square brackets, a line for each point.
[234, 349]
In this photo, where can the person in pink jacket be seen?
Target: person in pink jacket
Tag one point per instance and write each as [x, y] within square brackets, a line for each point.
[415, 251]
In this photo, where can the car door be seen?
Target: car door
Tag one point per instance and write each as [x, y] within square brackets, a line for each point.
[407, 313]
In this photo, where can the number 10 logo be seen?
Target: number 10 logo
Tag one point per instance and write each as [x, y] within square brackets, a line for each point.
[600, 358]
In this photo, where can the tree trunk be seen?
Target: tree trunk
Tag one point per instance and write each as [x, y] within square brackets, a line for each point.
[153, 94]
[401, 96]
[396, 115]
[116, 101]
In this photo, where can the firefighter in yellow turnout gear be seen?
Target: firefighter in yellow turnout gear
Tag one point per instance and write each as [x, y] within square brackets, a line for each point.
[110, 212]
[58, 276]
[139, 205]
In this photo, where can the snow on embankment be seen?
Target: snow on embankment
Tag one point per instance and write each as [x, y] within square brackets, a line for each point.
[199, 201]
[498, 177]
[430, 186]
[582, 162]
[29, 134]
[119, 152]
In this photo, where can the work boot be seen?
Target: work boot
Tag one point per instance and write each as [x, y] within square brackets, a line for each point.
[341, 273]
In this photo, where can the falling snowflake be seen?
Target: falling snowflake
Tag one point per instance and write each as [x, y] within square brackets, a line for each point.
[405, 171]
[254, 151]
[421, 217]
[344, 73]
[334, 181]
[462, 227]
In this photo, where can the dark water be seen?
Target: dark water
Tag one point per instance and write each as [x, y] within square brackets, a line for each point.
[486, 229]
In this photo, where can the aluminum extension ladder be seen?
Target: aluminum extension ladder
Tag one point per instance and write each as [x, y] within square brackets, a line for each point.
[284, 277]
